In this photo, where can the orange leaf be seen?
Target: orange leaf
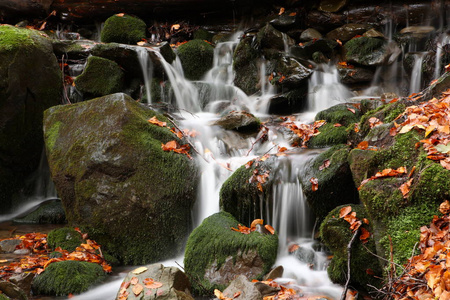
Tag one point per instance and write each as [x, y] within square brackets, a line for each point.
[293, 247]
[134, 280]
[269, 228]
[324, 165]
[237, 294]
[365, 234]
[405, 187]
[363, 145]
[137, 289]
[345, 211]
[256, 222]
[154, 120]
[351, 109]
[444, 208]
[314, 184]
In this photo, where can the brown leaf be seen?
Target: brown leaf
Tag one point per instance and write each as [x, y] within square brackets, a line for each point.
[269, 228]
[405, 187]
[137, 289]
[363, 145]
[324, 165]
[444, 208]
[314, 184]
[134, 280]
[365, 234]
[292, 248]
[351, 109]
[154, 120]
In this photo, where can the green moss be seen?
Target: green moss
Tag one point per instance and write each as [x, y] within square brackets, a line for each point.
[52, 134]
[433, 183]
[245, 66]
[67, 277]
[404, 231]
[196, 57]
[48, 213]
[214, 241]
[393, 110]
[125, 29]
[66, 238]
[336, 234]
[339, 114]
[202, 34]
[336, 185]
[4, 297]
[243, 199]
[329, 136]
[13, 38]
[363, 47]
[100, 77]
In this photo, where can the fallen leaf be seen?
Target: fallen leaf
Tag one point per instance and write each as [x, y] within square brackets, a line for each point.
[363, 145]
[324, 165]
[314, 184]
[444, 208]
[139, 270]
[292, 248]
[137, 289]
[345, 211]
[269, 228]
[134, 280]
[281, 11]
[154, 120]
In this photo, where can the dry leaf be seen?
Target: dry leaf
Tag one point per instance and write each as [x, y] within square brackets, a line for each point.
[137, 289]
[139, 270]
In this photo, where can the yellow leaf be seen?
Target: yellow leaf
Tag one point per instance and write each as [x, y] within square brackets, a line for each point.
[139, 270]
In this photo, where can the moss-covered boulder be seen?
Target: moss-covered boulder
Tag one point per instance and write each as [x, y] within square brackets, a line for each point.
[335, 182]
[306, 50]
[242, 195]
[50, 212]
[270, 38]
[67, 238]
[246, 66]
[30, 82]
[348, 31]
[100, 77]
[365, 267]
[116, 182]
[369, 51]
[122, 28]
[215, 254]
[175, 284]
[67, 277]
[329, 135]
[196, 58]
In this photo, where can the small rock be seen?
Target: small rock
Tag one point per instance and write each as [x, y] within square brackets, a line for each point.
[332, 5]
[12, 291]
[247, 289]
[8, 246]
[240, 121]
[348, 31]
[373, 33]
[275, 273]
[22, 251]
[310, 34]
[23, 281]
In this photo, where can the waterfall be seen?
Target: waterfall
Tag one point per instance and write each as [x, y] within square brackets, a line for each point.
[416, 73]
[147, 70]
[325, 90]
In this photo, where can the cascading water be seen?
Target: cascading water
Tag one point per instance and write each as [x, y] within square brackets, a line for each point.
[416, 73]
[147, 70]
[325, 89]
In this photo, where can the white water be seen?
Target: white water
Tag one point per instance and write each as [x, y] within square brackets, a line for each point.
[444, 39]
[325, 89]
[147, 70]
[416, 73]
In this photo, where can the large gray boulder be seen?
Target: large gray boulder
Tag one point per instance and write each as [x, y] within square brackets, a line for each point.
[115, 180]
[30, 82]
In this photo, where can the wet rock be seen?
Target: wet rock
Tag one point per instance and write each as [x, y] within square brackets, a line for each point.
[30, 82]
[335, 182]
[239, 121]
[266, 290]
[348, 31]
[306, 50]
[50, 212]
[111, 173]
[415, 38]
[372, 33]
[305, 255]
[100, 77]
[310, 34]
[72, 49]
[336, 234]
[8, 246]
[202, 34]
[175, 284]
[285, 21]
[355, 75]
[270, 38]
[196, 56]
[289, 103]
[276, 272]
[291, 74]
[332, 5]
[67, 277]
[246, 289]
[246, 66]
[123, 28]
[23, 281]
[12, 291]
[319, 58]
[370, 51]
[215, 254]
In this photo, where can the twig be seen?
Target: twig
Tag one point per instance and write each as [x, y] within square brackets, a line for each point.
[349, 255]
[263, 135]
[63, 80]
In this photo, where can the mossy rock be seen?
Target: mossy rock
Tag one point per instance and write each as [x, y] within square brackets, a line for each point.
[404, 231]
[341, 114]
[365, 51]
[270, 38]
[244, 200]
[11, 291]
[51, 212]
[196, 58]
[329, 135]
[245, 66]
[203, 34]
[348, 31]
[288, 103]
[365, 268]
[215, 254]
[335, 182]
[125, 29]
[4, 297]
[115, 181]
[67, 238]
[100, 77]
[67, 277]
[30, 82]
